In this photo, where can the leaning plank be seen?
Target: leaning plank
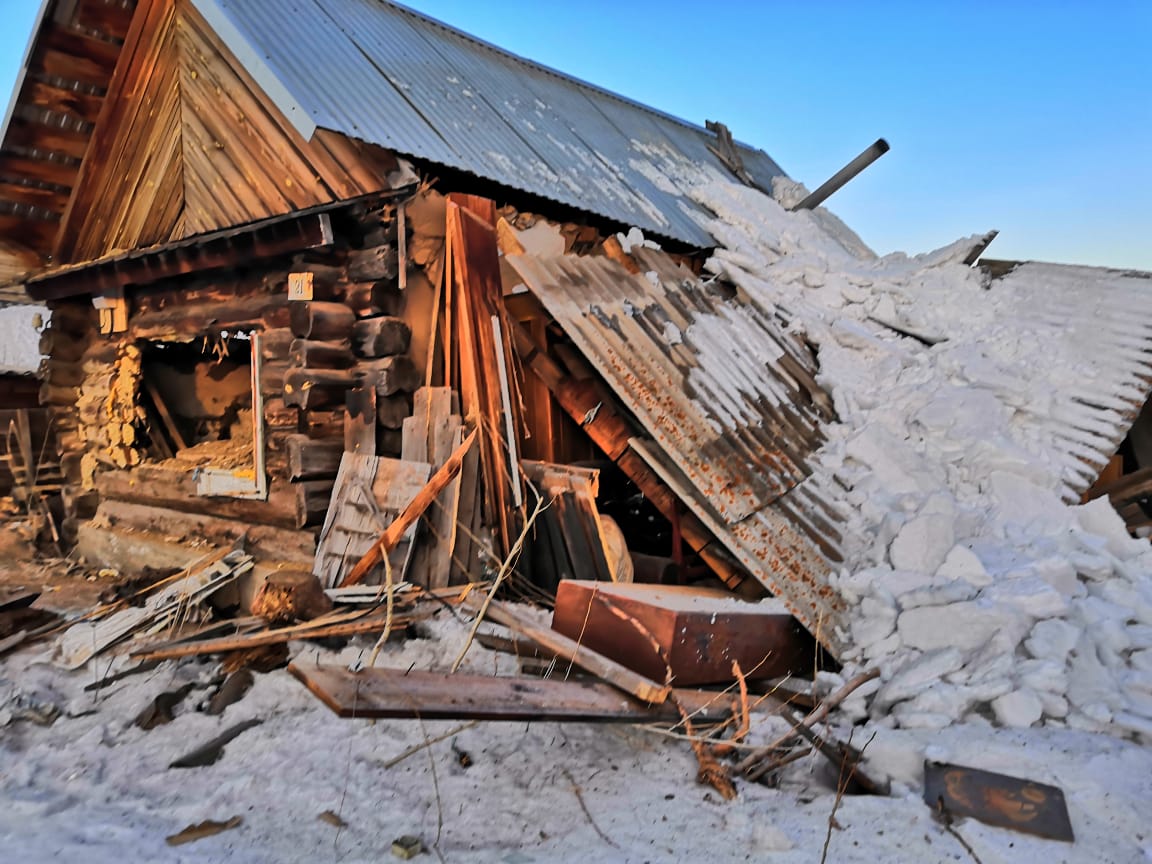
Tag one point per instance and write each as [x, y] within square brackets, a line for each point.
[411, 513]
[572, 651]
[395, 693]
[319, 628]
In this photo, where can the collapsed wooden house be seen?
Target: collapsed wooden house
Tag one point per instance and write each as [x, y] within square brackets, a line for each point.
[287, 285]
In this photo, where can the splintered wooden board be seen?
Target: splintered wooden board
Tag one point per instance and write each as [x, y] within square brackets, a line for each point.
[395, 693]
[370, 492]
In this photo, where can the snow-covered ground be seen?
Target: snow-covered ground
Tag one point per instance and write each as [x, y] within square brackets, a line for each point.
[93, 787]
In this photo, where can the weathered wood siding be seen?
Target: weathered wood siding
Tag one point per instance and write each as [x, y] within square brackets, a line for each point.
[131, 187]
[189, 144]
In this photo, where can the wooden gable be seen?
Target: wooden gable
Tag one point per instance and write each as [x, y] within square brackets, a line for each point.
[188, 143]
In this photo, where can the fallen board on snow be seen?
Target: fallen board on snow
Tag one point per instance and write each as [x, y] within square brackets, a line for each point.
[394, 693]
[954, 791]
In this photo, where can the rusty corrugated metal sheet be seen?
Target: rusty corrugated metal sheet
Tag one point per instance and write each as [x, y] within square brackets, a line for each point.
[385, 74]
[730, 402]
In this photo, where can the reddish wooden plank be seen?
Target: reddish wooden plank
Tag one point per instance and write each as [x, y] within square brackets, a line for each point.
[698, 632]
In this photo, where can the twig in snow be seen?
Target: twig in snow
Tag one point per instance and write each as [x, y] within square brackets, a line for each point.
[946, 820]
[587, 815]
[841, 786]
[428, 742]
[749, 764]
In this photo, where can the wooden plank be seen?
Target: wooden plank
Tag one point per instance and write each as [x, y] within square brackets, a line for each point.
[572, 651]
[129, 190]
[471, 238]
[61, 174]
[397, 693]
[415, 509]
[176, 490]
[62, 100]
[165, 416]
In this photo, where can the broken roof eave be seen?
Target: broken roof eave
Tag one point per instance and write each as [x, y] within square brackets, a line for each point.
[279, 235]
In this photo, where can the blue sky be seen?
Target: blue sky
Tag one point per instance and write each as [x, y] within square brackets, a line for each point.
[1031, 117]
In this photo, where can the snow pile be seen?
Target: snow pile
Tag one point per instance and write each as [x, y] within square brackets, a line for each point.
[20, 338]
[980, 593]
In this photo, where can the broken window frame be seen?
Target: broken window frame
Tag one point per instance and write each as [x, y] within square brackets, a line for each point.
[248, 483]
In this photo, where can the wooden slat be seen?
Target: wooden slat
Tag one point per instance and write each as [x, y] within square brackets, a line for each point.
[110, 18]
[83, 106]
[370, 492]
[397, 693]
[99, 53]
[24, 132]
[128, 192]
[49, 199]
[435, 432]
[59, 173]
[408, 517]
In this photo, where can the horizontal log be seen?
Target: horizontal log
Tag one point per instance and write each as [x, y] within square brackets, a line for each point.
[311, 354]
[277, 415]
[391, 375]
[74, 319]
[317, 388]
[176, 490]
[309, 459]
[55, 394]
[62, 372]
[62, 346]
[358, 297]
[373, 265]
[312, 499]
[256, 312]
[275, 344]
[321, 424]
[272, 378]
[383, 336]
[321, 321]
[392, 411]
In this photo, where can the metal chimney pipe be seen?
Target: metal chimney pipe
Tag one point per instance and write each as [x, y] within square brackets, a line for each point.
[845, 174]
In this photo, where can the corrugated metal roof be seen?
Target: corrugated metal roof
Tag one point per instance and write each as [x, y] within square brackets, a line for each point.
[732, 406]
[1106, 315]
[388, 75]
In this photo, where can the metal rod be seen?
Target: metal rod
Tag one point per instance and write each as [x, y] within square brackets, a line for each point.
[878, 149]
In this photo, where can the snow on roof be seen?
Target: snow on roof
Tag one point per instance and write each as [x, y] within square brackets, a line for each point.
[972, 578]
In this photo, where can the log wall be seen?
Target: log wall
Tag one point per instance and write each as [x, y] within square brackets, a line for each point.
[315, 356]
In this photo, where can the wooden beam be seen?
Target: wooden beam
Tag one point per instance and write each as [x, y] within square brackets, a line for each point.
[82, 106]
[396, 693]
[59, 173]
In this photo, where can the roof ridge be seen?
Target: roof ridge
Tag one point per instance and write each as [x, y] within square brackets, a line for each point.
[549, 70]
